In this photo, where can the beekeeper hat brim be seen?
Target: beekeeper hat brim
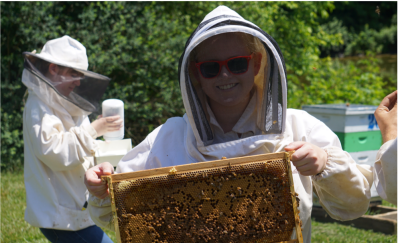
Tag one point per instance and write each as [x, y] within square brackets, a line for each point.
[66, 52]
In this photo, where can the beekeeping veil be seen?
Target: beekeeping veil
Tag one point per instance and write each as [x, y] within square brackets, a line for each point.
[270, 82]
[59, 77]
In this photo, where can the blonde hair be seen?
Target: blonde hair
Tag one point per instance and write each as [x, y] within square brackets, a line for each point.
[252, 43]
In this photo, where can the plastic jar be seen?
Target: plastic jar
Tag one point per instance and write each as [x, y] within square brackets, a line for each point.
[114, 107]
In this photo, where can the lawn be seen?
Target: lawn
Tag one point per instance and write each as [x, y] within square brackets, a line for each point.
[15, 229]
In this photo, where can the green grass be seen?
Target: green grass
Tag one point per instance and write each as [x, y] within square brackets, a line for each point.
[388, 204]
[13, 226]
[110, 234]
[337, 233]
[14, 229]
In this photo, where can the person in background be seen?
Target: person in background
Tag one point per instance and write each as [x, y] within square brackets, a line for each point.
[385, 167]
[59, 140]
[233, 82]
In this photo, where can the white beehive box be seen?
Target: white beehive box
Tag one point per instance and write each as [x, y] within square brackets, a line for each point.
[365, 157]
[343, 118]
[113, 151]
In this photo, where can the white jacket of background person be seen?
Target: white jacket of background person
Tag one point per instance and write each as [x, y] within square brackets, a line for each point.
[266, 126]
[58, 141]
[58, 138]
[385, 171]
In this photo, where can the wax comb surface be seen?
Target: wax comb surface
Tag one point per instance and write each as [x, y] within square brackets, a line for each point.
[247, 199]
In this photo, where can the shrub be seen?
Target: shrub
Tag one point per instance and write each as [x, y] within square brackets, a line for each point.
[333, 82]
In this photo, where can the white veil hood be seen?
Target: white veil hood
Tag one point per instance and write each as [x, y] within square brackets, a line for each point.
[83, 91]
[271, 84]
[219, 11]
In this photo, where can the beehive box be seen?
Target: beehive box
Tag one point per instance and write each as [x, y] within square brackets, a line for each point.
[355, 125]
[345, 118]
[247, 199]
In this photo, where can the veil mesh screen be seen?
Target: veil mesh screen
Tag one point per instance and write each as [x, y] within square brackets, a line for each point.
[246, 202]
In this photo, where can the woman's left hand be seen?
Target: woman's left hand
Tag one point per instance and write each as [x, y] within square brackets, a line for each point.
[308, 159]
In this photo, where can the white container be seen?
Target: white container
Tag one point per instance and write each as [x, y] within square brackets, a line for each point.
[345, 119]
[112, 151]
[113, 107]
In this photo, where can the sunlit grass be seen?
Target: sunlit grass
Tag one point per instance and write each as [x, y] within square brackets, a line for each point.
[337, 233]
[388, 204]
[13, 226]
[110, 234]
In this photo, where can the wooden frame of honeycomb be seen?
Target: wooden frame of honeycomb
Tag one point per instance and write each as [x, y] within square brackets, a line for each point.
[246, 199]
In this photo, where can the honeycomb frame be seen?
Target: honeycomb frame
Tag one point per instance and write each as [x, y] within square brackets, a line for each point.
[245, 199]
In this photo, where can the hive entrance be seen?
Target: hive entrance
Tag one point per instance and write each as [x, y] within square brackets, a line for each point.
[249, 199]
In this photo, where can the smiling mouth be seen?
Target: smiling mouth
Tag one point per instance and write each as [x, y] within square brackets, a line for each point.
[226, 86]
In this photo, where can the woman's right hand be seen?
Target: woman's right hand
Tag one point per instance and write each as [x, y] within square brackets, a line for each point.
[93, 181]
[107, 124]
[386, 116]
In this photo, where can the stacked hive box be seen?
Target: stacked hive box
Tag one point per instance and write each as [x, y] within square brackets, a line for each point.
[357, 129]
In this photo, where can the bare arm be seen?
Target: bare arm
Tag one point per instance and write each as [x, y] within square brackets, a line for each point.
[386, 116]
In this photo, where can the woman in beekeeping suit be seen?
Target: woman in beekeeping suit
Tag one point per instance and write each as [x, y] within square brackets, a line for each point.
[233, 81]
[59, 139]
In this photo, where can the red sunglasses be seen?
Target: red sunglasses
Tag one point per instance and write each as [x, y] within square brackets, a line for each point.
[235, 65]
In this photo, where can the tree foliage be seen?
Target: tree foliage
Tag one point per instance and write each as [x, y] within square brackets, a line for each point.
[138, 45]
[364, 26]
